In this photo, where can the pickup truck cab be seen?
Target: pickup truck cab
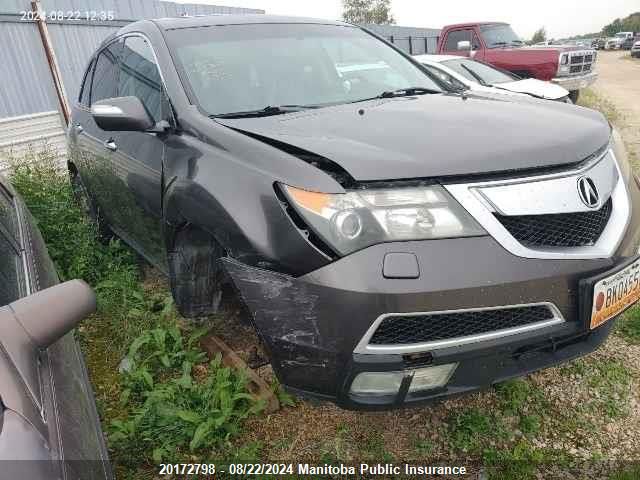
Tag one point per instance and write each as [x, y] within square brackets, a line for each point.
[496, 43]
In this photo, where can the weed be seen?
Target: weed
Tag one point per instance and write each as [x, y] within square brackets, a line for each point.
[182, 415]
[610, 382]
[516, 394]
[521, 462]
[422, 447]
[590, 99]
[171, 403]
[631, 473]
[529, 424]
[470, 428]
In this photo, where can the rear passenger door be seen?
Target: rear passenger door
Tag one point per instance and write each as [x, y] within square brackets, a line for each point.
[138, 157]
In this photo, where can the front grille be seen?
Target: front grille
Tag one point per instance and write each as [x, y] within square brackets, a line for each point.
[578, 229]
[577, 59]
[588, 58]
[422, 328]
[586, 68]
[576, 69]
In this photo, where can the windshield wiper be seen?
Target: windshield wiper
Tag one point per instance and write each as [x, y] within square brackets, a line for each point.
[266, 111]
[474, 75]
[498, 44]
[407, 92]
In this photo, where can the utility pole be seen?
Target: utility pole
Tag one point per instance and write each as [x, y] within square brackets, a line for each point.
[51, 58]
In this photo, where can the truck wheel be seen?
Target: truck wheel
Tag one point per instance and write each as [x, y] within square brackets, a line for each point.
[574, 95]
[88, 206]
[195, 275]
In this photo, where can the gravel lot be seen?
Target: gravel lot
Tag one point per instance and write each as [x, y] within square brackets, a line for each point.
[619, 82]
[586, 410]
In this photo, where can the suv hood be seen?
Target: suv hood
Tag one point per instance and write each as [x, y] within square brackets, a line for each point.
[437, 135]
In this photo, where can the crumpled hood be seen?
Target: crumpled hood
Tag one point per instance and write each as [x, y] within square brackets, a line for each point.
[437, 135]
[535, 87]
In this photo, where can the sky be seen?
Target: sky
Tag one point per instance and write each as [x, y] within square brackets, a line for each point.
[561, 18]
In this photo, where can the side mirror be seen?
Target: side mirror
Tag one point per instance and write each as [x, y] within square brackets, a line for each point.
[122, 114]
[49, 314]
[464, 45]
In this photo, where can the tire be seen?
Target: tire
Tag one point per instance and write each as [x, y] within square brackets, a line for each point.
[574, 95]
[89, 207]
[195, 275]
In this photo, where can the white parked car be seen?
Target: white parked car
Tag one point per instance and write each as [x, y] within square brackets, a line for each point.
[635, 50]
[462, 72]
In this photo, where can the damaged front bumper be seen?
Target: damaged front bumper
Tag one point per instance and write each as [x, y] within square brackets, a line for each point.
[314, 325]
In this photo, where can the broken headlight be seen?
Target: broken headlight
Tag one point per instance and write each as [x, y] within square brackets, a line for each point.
[359, 218]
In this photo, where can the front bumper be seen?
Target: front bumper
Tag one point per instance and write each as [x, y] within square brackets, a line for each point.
[312, 325]
[576, 82]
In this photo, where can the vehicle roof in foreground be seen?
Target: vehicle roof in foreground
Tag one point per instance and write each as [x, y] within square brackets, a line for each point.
[222, 20]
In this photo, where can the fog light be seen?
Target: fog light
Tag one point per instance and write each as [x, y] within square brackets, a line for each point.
[431, 377]
[389, 383]
[377, 383]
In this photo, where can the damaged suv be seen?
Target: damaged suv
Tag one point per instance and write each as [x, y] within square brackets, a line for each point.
[394, 242]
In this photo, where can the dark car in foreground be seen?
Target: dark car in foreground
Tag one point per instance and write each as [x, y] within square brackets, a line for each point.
[50, 427]
[393, 241]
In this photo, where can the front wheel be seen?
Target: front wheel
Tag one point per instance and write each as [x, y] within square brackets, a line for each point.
[195, 274]
[574, 95]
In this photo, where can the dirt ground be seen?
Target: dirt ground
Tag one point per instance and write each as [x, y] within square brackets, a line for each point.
[587, 410]
[619, 82]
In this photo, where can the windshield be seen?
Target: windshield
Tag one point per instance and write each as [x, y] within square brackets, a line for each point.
[241, 68]
[478, 72]
[621, 35]
[500, 35]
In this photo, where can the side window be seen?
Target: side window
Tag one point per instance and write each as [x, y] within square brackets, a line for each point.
[105, 74]
[85, 89]
[140, 76]
[456, 36]
[475, 44]
[9, 257]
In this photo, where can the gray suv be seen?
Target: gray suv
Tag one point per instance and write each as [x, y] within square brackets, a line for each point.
[395, 242]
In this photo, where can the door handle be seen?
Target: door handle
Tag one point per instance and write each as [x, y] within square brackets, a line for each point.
[110, 145]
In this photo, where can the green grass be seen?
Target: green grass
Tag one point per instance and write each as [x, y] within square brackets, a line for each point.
[629, 325]
[631, 473]
[470, 429]
[158, 397]
[514, 395]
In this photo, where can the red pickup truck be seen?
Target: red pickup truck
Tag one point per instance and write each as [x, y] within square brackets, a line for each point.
[497, 44]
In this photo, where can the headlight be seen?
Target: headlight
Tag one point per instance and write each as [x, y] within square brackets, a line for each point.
[360, 218]
[564, 59]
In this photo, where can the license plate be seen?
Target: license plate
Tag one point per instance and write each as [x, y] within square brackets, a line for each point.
[615, 293]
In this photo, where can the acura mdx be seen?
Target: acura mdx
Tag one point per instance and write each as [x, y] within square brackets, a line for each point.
[394, 242]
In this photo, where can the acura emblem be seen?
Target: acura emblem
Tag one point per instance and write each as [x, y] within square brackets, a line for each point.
[588, 192]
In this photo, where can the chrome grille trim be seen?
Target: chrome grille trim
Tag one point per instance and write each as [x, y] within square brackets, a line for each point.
[479, 200]
[365, 347]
